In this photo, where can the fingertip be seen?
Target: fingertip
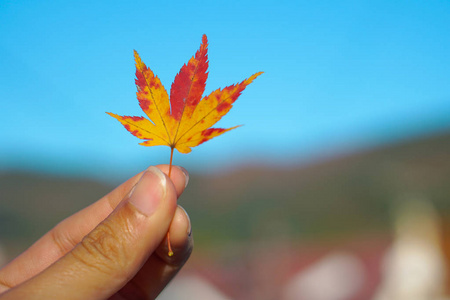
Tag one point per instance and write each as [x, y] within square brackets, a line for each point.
[178, 175]
[186, 175]
[181, 223]
[149, 191]
[180, 238]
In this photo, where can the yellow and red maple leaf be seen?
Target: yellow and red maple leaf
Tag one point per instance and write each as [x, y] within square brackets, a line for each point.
[186, 119]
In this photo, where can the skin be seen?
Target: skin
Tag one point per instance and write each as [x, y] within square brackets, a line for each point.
[116, 248]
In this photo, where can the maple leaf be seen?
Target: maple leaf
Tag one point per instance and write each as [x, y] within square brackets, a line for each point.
[186, 119]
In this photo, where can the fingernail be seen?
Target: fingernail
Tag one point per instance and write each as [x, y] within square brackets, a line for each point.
[189, 229]
[186, 175]
[149, 191]
[131, 191]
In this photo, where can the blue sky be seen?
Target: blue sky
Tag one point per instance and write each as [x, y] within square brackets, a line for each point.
[339, 75]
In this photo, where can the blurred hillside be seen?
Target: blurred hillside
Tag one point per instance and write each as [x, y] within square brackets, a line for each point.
[330, 200]
[350, 195]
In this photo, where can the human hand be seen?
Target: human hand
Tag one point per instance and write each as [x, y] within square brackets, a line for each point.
[112, 249]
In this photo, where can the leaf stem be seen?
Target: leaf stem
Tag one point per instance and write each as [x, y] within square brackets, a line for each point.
[170, 252]
[170, 164]
[169, 246]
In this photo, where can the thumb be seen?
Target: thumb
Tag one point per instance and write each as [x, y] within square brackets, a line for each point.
[110, 255]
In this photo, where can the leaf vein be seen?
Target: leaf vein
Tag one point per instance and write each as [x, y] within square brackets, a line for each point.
[156, 105]
[184, 106]
[143, 129]
[196, 123]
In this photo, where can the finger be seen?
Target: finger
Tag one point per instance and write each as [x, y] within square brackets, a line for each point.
[160, 268]
[62, 238]
[111, 254]
[179, 177]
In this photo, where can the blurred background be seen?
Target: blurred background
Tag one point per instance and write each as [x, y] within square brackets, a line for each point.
[336, 188]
